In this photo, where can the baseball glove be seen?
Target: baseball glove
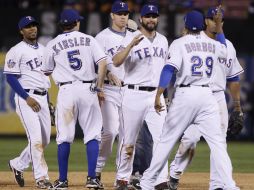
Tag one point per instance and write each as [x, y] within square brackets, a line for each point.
[235, 123]
[52, 113]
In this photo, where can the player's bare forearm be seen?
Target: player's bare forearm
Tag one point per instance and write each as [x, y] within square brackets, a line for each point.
[119, 58]
[101, 73]
[234, 88]
[157, 104]
[160, 91]
[218, 21]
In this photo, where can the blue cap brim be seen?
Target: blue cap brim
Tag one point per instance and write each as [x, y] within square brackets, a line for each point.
[32, 22]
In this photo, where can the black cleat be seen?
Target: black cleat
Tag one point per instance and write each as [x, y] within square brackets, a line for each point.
[59, 185]
[98, 175]
[135, 184]
[43, 184]
[162, 186]
[18, 176]
[218, 189]
[94, 183]
[173, 183]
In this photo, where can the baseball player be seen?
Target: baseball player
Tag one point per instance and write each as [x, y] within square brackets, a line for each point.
[227, 70]
[192, 57]
[23, 72]
[71, 57]
[143, 54]
[110, 39]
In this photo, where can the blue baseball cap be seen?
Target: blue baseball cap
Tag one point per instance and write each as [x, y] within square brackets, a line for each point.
[213, 11]
[119, 6]
[194, 21]
[26, 20]
[149, 9]
[69, 16]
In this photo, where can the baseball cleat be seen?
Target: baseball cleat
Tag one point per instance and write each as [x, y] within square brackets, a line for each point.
[121, 185]
[59, 185]
[134, 184]
[173, 183]
[218, 189]
[43, 184]
[94, 183]
[98, 175]
[162, 186]
[18, 175]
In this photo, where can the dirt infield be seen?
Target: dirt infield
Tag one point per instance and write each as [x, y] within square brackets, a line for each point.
[190, 181]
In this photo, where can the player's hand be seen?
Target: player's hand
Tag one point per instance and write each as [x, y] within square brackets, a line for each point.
[114, 80]
[158, 106]
[136, 40]
[101, 97]
[218, 16]
[33, 104]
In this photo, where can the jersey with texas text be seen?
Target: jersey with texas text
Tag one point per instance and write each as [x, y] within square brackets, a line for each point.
[25, 60]
[226, 68]
[109, 41]
[145, 61]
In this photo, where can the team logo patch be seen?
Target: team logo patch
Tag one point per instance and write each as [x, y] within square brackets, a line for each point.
[11, 63]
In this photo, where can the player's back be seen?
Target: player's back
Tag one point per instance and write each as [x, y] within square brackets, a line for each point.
[194, 56]
[73, 55]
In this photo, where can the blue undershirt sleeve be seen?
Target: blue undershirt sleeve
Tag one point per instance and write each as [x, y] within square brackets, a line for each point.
[15, 85]
[221, 38]
[234, 79]
[166, 75]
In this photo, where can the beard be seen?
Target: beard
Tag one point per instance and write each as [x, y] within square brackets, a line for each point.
[149, 27]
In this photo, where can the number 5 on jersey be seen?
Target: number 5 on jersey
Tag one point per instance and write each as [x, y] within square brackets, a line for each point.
[75, 62]
[197, 64]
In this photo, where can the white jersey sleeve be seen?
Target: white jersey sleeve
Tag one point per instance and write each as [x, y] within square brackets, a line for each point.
[101, 41]
[221, 50]
[97, 52]
[233, 67]
[12, 65]
[174, 55]
[48, 63]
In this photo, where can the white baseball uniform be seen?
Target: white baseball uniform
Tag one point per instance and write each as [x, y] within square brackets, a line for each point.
[142, 72]
[224, 69]
[110, 41]
[25, 60]
[71, 57]
[193, 56]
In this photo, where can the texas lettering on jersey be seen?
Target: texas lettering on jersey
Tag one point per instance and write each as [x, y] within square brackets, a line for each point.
[145, 52]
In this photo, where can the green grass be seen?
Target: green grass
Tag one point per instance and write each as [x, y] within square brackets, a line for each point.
[241, 153]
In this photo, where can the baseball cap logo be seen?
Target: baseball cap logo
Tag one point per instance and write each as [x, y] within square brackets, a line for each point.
[29, 17]
[151, 7]
[122, 4]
